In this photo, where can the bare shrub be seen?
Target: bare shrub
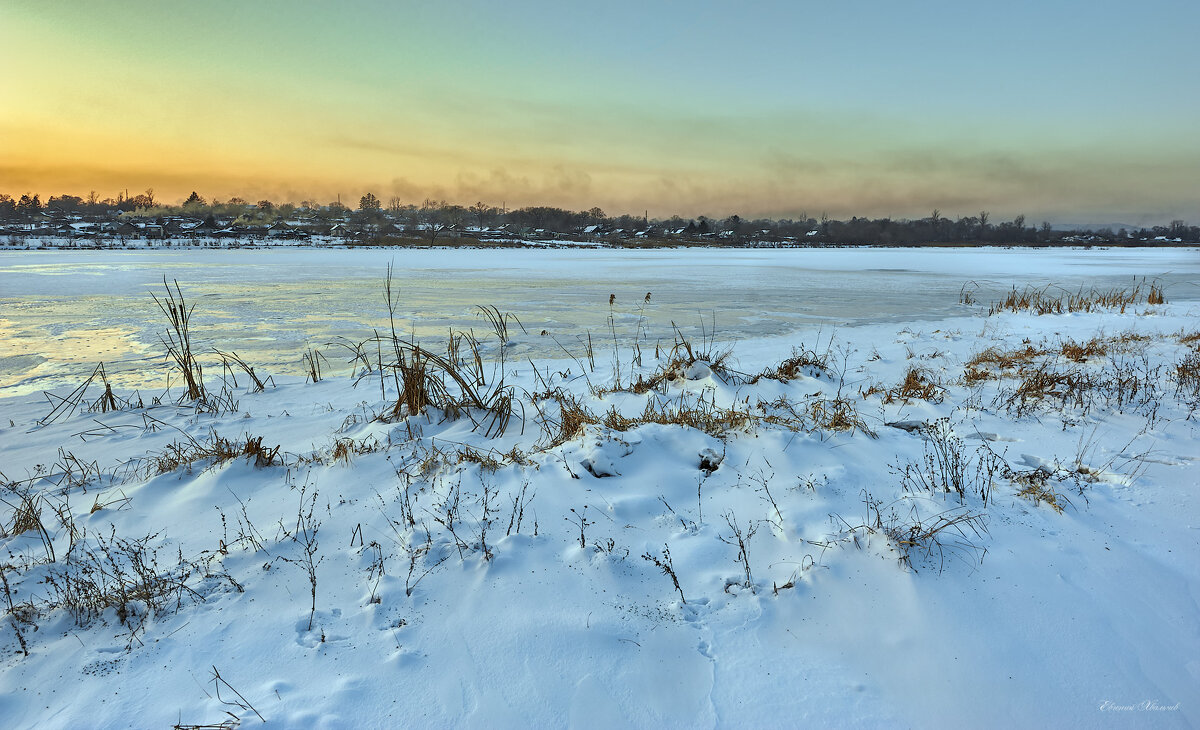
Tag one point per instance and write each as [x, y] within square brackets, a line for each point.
[951, 532]
[305, 536]
[663, 563]
[125, 575]
[947, 468]
[739, 537]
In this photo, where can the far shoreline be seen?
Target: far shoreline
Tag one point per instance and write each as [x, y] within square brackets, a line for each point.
[150, 244]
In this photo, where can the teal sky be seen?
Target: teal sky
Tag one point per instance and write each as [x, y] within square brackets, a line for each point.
[1072, 111]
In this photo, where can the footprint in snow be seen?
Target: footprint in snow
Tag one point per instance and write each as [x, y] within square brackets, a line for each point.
[694, 611]
[317, 635]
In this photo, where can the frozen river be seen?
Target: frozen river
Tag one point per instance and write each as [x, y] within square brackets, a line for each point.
[61, 312]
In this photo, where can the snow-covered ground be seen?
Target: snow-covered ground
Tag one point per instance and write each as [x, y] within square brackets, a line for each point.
[756, 541]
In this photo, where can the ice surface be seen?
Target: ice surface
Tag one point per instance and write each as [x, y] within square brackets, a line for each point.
[70, 309]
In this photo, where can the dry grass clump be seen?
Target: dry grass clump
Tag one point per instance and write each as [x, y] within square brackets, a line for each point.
[700, 415]
[679, 360]
[955, 530]
[491, 460]
[983, 365]
[1128, 339]
[427, 380]
[487, 460]
[918, 383]
[26, 515]
[615, 421]
[1006, 359]
[683, 355]
[417, 387]
[1047, 382]
[800, 363]
[1042, 301]
[178, 341]
[231, 361]
[454, 383]
[573, 418]
[643, 383]
[311, 362]
[1034, 485]
[973, 375]
[1156, 295]
[1123, 382]
[1082, 352]
[1187, 377]
[216, 450]
[63, 406]
[345, 449]
[837, 414]
[814, 414]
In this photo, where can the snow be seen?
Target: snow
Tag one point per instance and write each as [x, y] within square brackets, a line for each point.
[1025, 617]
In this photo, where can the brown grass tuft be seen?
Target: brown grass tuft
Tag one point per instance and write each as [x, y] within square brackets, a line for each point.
[795, 366]
[917, 383]
[487, 460]
[1034, 485]
[990, 363]
[838, 414]
[1082, 352]
[217, 450]
[1042, 301]
[1187, 377]
[615, 421]
[345, 449]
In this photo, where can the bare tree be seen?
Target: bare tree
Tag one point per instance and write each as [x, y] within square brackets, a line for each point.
[430, 215]
[482, 212]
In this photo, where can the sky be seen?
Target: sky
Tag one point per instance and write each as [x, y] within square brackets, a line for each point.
[1063, 111]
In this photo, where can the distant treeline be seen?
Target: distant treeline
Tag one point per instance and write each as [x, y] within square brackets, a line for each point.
[373, 218]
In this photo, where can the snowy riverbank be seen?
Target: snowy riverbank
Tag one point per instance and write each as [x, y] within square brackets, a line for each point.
[980, 521]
